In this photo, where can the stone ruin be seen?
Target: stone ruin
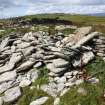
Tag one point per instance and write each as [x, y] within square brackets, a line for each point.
[62, 56]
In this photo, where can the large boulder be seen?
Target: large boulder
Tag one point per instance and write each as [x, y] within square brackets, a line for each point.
[12, 94]
[39, 101]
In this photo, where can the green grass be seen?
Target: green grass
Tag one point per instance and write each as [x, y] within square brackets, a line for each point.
[31, 95]
[94, 91]
[7, 32]
[67, 31]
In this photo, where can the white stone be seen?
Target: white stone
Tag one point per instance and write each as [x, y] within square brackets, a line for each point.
[12, 94]
[1, 101]
[56, 101]
[39, 101]
[93, 80]
[61, 79]
[79, 81]
[25, 83]
[38, 64]
[28, 37]
[60, 87]
[8, 76]
[4, 43]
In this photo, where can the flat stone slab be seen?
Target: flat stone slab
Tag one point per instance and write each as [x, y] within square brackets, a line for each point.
[12, 94]
[53, 69]
[39, 101]
[8, 76]
[59, 63]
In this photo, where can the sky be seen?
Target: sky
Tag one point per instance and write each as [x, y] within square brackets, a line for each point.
[11, 8]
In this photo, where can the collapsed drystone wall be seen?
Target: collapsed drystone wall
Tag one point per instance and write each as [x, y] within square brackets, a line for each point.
[20, 56]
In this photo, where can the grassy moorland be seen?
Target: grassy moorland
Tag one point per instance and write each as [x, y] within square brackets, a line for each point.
[95, 92]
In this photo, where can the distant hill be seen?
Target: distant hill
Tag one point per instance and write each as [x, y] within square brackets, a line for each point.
[97, 14]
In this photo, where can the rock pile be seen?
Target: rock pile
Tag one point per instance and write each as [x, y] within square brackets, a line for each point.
[61, 55]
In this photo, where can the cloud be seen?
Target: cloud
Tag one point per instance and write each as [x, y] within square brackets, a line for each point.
[72, 2]
[23, 7]
[66, 6]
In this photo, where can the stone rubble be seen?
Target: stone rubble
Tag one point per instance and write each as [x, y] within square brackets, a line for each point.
[39, 101]
[62, 56]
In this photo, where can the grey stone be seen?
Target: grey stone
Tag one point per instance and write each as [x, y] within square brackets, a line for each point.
[4, 86]
[60, 87]
[87, 56]
[25, 66]
[28, 37]
[8, 76]
[59, 63]
[93, 80]
[15, 58]
[50, 89]
[28, 51]
[23, 45]
[12, 94]
[33, 75]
